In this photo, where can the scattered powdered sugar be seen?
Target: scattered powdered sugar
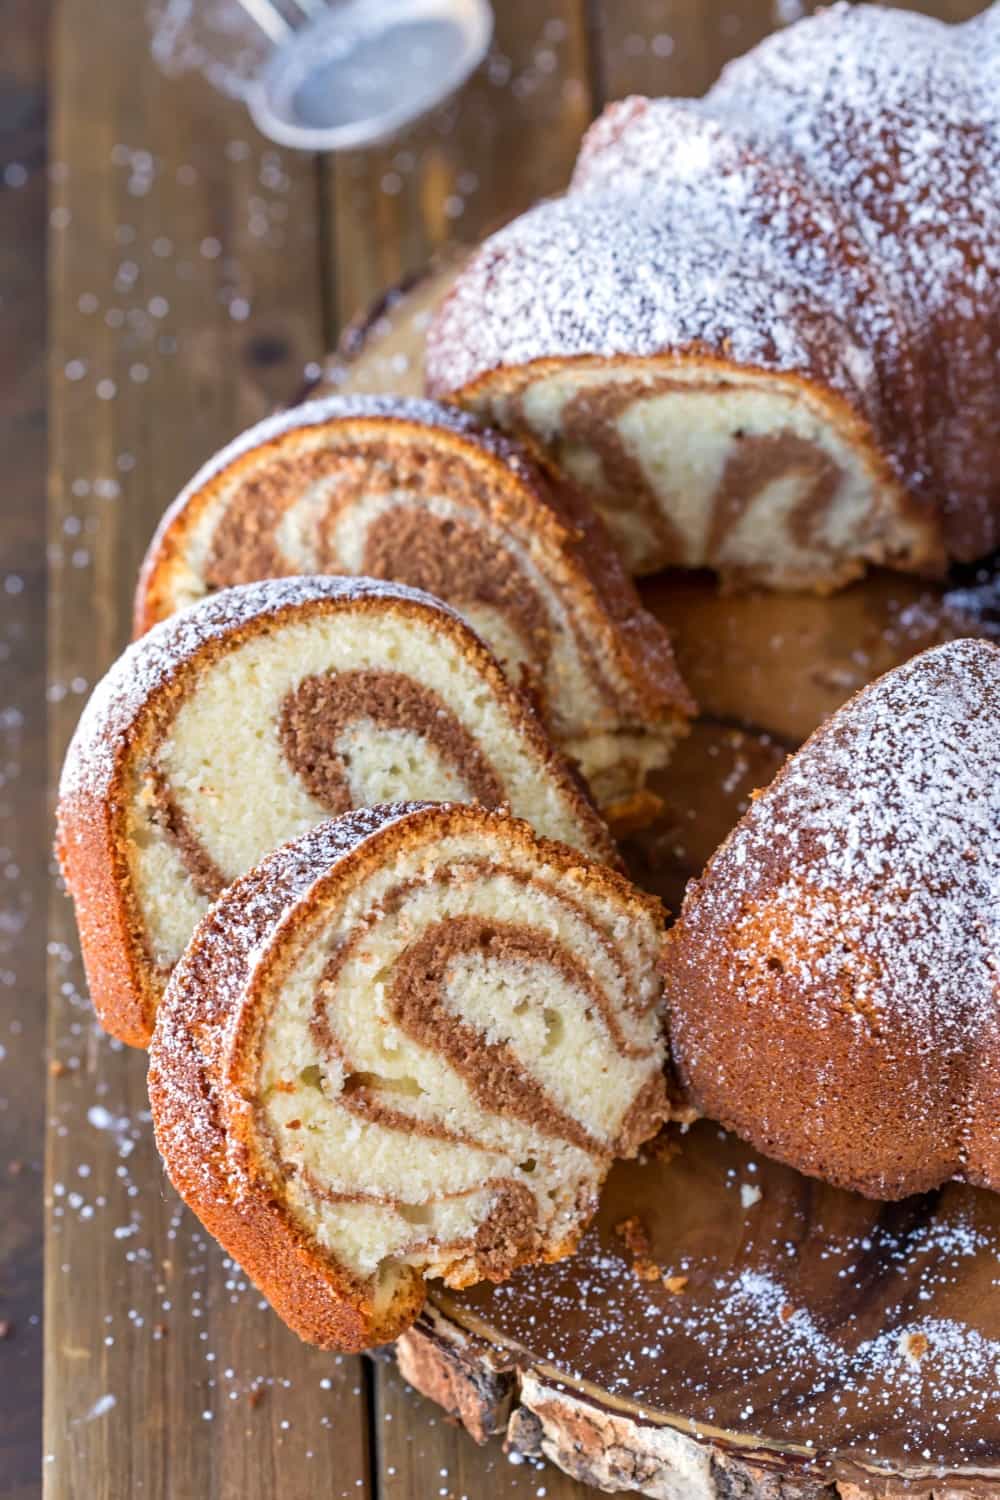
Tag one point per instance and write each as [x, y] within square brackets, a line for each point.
[813, 1339]
[100, 1408]
[173, 1286]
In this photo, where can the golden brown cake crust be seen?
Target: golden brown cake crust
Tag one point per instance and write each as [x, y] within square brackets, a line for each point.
[120, 722]
[208, 1035]
[189, 1063]
[831, 982]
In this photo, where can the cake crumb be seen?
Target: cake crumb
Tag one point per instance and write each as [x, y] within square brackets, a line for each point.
[913, 1347]
[633, 1232]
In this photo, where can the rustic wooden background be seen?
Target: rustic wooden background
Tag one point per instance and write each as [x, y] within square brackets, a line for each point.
[194, 275]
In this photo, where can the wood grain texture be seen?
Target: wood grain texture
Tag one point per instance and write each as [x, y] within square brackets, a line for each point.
[23, 823]
[185, 301]
[195, 269]
[508, 138]
[422, 1452]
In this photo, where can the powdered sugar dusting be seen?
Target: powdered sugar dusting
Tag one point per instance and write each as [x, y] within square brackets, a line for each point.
[831, 209]
[433, 415]
[150, 664]
[853, 917]
[897, 116]
[892, 808]
[581, 277]
[843, 1328]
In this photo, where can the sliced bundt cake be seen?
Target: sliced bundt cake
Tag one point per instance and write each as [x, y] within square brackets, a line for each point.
[762, 329]
[833, 982]
[247, 718]
[423, 494]
[407, 1044]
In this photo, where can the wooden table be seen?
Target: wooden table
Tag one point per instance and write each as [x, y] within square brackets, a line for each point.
[195, 274]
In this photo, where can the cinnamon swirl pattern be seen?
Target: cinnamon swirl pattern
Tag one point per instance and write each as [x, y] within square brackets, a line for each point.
[256, 714]
[408, 1044]
[423, 494]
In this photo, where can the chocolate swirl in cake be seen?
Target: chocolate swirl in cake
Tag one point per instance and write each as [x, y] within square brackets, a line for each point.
[252, 716]
[409, 1043]
[316, 715]
[412, 491]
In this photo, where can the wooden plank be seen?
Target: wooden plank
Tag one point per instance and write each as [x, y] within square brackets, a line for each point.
[422, 1454]
[509, 138]
[679, 46]
[186, 299]
[23, 824]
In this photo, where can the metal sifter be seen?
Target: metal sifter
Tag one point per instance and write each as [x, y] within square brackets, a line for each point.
[353, 72]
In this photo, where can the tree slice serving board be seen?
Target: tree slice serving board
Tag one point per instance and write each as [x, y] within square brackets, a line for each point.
[730, 1328]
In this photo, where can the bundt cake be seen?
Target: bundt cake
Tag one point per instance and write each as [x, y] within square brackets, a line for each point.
[247, 718]
[833, 982]
[422, 494]
[762, 330]
[407, 1044]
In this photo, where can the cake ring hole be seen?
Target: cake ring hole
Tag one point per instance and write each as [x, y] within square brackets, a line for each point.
[527, 1166]
[413, 1213]
[554, 1030]
[378, 1083]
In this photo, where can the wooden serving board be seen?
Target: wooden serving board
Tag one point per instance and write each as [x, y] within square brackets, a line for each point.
[774, 1337]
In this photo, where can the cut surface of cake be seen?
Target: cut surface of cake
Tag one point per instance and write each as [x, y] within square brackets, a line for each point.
[762, 330]
[408, 1044]
[248, 718]
[832, 981]
[423, 494]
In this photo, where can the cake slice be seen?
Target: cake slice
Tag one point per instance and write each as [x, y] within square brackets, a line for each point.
[408, 1044]
[832, 981]
[246, 719]
[423, 494]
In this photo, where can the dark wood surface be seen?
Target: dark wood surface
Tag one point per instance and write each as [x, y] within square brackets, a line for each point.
[23, 821]
[195, 274]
